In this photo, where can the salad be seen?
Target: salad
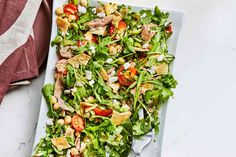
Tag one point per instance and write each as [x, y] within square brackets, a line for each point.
[113, 64]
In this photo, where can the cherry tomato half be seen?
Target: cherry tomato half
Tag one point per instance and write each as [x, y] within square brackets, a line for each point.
[77, 123]
[169, 28]
[104, 113]
[122, 25]
[70, 9]
[123, 79]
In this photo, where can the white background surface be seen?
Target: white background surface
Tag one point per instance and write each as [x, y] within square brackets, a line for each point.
[200, 120]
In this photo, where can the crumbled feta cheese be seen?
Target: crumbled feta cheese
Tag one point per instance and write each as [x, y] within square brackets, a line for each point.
[81, 9]
[114, 101]
[68, 153]
[94, 10]
[101, 14]
[73, 47]
[126, 65]
[67, 91]
[112, 73]
[49, 121]
[160, 58]
[91, 82]
[79, 84]
[109, 60]
[143, 15]
[152, 70]
[88, 74]
[73, 90]
[139, 26]
[92, 48]
[145, 46]
[113, 79]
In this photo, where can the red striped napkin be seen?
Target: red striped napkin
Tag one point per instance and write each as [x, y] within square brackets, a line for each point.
[25, 27]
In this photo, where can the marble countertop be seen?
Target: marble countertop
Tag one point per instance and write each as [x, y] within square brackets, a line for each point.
[200, 119]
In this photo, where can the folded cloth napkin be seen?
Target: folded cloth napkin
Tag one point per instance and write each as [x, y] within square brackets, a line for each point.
[25, 27]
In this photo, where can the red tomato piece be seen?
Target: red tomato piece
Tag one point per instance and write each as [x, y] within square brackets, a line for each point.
[70, 9]
[122, 25]
[104, 113]
[95, 39]
[111, 29]
[80, 43]
[169, 28]
[121, 77]
[77, 123]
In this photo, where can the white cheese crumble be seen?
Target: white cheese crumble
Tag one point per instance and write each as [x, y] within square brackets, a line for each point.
[94, 10]
[145, 46]
[92, 48]
[67, 91]
[126, 65]
[143, 15]
[73, 47]
[152, 70]
[88, 74]
[91, 82]
[109, 60]
[139, 26]
[112, 73]
[81, 9]
[101, 14]
[73, 90]
[68, 153]
[49, 121]
[79, 84]
[160, 58]
[114, 101]
[113, 79]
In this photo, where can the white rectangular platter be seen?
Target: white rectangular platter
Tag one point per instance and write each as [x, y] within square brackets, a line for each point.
[154, 148]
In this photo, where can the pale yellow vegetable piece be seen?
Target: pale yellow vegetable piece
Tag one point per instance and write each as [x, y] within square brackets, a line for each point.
[110, 8]
[99, 30]
[115, 87]
[71, 18]
[88, 36]
[143, 88]
[62, 24]
[83, 3]
[162, 68]
[112, 50]
[81, 59]
[60, 142]
[86, 107]
[104, 75]
[116, 20]
[118, 118]
[74, 151]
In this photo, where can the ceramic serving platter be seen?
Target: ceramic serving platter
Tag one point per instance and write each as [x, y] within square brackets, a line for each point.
[154, 148]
